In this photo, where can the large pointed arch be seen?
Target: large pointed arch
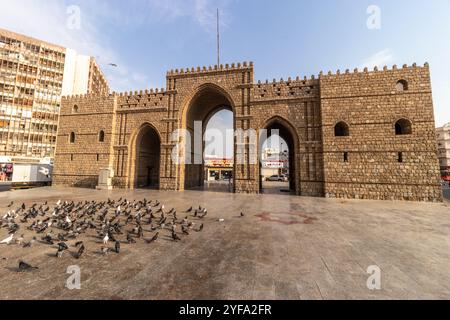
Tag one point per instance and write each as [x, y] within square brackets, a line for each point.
[201, 105]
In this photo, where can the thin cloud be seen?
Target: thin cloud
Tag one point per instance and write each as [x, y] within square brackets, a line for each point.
[87, 40]
[146, 12]
[47, 20]
[379, 59]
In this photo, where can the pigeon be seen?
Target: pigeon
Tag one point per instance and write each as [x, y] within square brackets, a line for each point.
[61, 237]
[175, 237]
[242, 214]
[117, 247]
[23, 266]
[140, 232]
[30, 243]
[80, 251]
[155, 237]
[106, 239]
[189, 210]
[200, 229]
[48, 239]
[130, 239]
[79, 243]
[62, 246]
[111, 237]
[205, 213]
[185, 230]
[59, 253]
[8, 240]
[11, 204]
[104, 250]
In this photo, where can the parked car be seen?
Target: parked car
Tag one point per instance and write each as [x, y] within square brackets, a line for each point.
[277, 178]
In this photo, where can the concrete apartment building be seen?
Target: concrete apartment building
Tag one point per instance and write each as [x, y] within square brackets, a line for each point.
[443, 137]
[33, 76]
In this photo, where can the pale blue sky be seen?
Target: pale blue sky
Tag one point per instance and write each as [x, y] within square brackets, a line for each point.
[284, 38]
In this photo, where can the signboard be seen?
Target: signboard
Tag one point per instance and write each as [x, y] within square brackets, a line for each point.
[273, 164]
[219, 163]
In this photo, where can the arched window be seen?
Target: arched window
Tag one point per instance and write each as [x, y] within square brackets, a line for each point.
[75, 109]
[101, 136]
[402, 127]
[341, 130]
[72, 137]
[402, 85]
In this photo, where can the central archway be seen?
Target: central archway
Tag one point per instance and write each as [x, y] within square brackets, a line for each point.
[208, 100]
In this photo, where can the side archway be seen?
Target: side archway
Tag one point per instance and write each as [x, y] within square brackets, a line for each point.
[145, 158]
[288, 132]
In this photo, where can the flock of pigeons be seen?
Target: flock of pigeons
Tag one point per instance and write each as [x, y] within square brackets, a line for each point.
[114, 222]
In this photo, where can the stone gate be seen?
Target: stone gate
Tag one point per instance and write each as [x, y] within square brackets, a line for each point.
[360, 134]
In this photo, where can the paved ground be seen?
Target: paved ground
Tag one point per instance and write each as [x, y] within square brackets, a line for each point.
[447, 192]
[269, 187]
[284, 248]
[272, 187]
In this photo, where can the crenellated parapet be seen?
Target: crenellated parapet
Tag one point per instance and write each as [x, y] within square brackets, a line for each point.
[143, 100]
[375, 82]
[211, 69]
[366, 70]
[306, 87]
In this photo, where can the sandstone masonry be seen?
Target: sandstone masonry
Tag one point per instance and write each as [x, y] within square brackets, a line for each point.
[361, 134]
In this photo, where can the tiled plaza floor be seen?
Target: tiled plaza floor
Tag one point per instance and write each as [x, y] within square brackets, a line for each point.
[285, 247]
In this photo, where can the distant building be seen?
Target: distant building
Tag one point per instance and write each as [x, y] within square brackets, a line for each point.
[33, 76]
[443, 137]
[218, 168]
[274, 162]
[82, 75]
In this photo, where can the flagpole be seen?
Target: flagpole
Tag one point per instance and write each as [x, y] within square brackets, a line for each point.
[218, 39]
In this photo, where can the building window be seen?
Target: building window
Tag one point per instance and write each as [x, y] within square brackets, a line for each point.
[341, 130]
[101, 136]
[400, 157]
[345, 157]
[71, 157]
[402, 85]
[403, 127]
[72, 137]
[75, 109]
[98, 157]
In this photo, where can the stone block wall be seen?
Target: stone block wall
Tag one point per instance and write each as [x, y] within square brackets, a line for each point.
[363, 165]
[371, 104]
[78, 163]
